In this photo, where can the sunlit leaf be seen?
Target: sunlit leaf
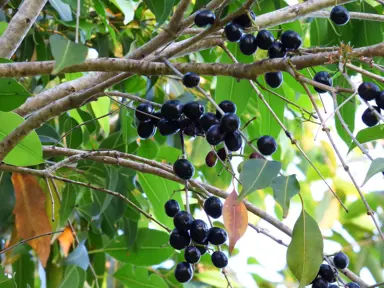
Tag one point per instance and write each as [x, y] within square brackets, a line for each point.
[66, 239]
[377, 165]
[137, 277]
[367, 135]
[284, 188]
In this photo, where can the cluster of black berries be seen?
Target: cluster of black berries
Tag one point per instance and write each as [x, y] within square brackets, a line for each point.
[194, 236]
[370, 91]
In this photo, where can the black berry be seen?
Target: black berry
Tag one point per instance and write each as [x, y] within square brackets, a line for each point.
[204, 18]
[320, 283]
[380, 100]
[339, 15]
[188, 127]
[323, 78]
[274, 79]
[219, 259]
[171, 110]
[168, 127]
[352, 285]
[333, 286]
[193, 110]
[368, 91]
[202, 246]
[244, 20]
[217, 236]
[233, 32]
[183, 169]
[191, 80]
[199, 231]
[214, 135]
[248, 44]
[227, 106]
[192, 254]
[233, 141]
[211, 159]
[179, 239]
[277, 50]
[291, 40]
[171, 207]
[222, 155]
[341, 260]
[143, 112]
[369, 118]
[266, 145]
[326, 272]
[183, 221]
[213, 207]
[183, 272]
[157, 117]
[264, 39]
[146, 129]
[207, 120]
[229, 122]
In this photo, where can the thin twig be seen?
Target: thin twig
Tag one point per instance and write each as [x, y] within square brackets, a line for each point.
[52, 199]
[77, 21]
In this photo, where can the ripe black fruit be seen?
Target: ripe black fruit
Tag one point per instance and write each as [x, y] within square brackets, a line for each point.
[171, 207]
[168, 127]
[326, 272]
[192, 255]
[333, 286]
[171, 110]
[219, 259]
[248, 44]
[352, 285]
[380, 100]
[229, 122]
[341, 260]
[217, 236]
[183, 221]
[233, 141]
[143, 112]
[369, 118]
[323, 78]
[188, 127]
[227, 106]
[211, 159]
[179, 239]
[207, 120]
[204, 18]
[213, 207]
[183, 272]
[157, 117]
[193, 110]
[320, 283]
[183, 169]
[199, 231]
[264, 39]
[146, 129]
[191, 80]
[277, 50]
[214, 135]
[266, 145]
[222, 155]
[274, 79]
[339, 15]
[244, 20]
[233, 32]
[291, 40]
[202, 249]
[368, 91]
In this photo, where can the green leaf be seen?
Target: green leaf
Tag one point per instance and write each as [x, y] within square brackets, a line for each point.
[63, 9]
[74, 277]
[377, 166]
[257, 174]
[305, 252]
[12, 94]
[127, 7]
[114, 142]
[101, 108]
[161, 9]
[148, 149]
[66, 53]
[367, 135]
[3, 27]
[284, 188]
[137, 277]
[68, 203]
[74, 138]
[47, 134]
[29, 150]
[79, 257]
[24, 269]
[6, 282]
[7, 203]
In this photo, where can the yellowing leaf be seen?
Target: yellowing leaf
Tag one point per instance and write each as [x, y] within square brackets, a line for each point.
[66, 239]
[30, 216]
[235, 219]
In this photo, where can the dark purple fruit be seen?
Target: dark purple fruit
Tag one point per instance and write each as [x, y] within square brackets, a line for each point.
[233, 32]
[191, 80]
[380, 100]
[143, 112]
[229, 122]
[219, 259]
[207, 120]
[146, 129]
[183, 169]
[256, 155]
[214, 135]
[199, 231]
[222, 154]
[291, 40]
[217, 236]
[339, 15]
[204, 18]
[248, 44]
[183, 221]
[323, 78]
[326, 272]
[192, 254]
[352, 285]
[213, 207]
[276, 50]
[168, 127]
[171, 207]
[227, 106]
[179, 239]
[193, 110]
[368, 91]
[244, 20]
[171, 110]
[233, 141]
[188, 127]
[341, 260]
[333, 286]
[183, 272]
[202, 246]
[211, 159]
[320, 283]
[157, 117]
[264, 39]
[266, 145]
[369, 118]
[274, 79]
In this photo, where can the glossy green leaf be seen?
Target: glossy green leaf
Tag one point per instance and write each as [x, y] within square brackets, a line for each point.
[68, 201]
[12, 94]
[367, 135]
[79, 257]
[24, 269]
[101, 108]
[284, 188]
[137, 277]
[74, 277]
[127, 7]
[305, 252]
[377, 165]
[47, 134]
[74, 137]
[29, 150]
[63, 9]
[148, 149]
[257, 174]
[161, 9]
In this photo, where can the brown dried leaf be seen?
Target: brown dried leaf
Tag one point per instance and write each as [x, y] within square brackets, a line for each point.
[66, 239]
[30, 216]
[235, 219]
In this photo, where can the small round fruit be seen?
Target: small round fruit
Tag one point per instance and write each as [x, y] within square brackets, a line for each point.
[192, 254]
[369, 118]
[227, 106]
[320, 283]
[213, 207]
[188, 127]
[193, 110]
[256, 155]
[233, 32]
[179, 239]
[168, 127]
[352, 285]
[207, 120]
[341, 260]
[326, 272]
[291, 40]
[244, 20]
[157, 117]
[183, 169]
[146, 129]
[183, 272]
[143, 112]
[202, 246]
[380, 100]
[171, 207]
[274, 79]
[204, 18]
[333, 286]
[217, 236]
[191, 80]
[264, 39]
[211, 159]
[222, 155]
[339, 15]
[219, 259]
[229, 122]
[183, 221]
[248, 44]
[323, 78]
[266, 145]
[233, 141]
[214, 135]
[171, 110]
[276, 50]
[199, 231]
[368, 91]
